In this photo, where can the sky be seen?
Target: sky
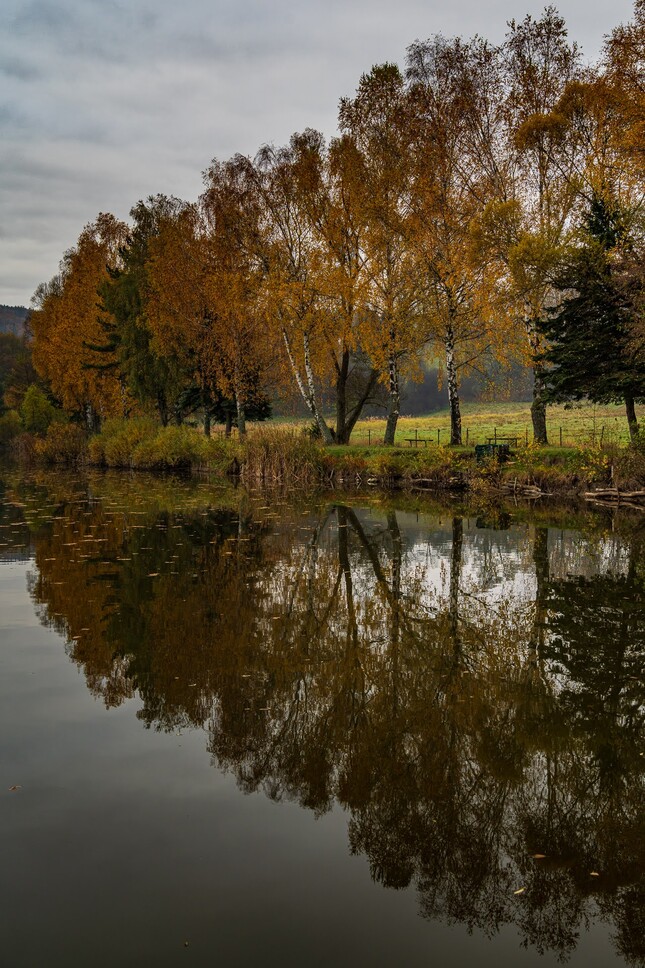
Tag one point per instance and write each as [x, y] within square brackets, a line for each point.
[104, 103]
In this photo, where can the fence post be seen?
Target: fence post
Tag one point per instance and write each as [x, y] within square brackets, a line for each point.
[526, 436]
[438, 434]
[560, 436]
[369, 437]
[467, 435]
[495, 434]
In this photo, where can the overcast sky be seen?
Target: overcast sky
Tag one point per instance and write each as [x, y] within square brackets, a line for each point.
[104, 103]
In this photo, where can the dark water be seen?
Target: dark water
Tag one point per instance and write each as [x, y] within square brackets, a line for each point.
[292, 731]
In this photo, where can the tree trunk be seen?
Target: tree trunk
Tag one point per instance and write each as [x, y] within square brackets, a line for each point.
[353, 416]
[394, 401]
[207, 423]
[229, 423]
[453, 389]
[342, 372]
[632, 421]
[241, 416]
[538, 406]
[162, 408]
[307, 390]
[92, 419]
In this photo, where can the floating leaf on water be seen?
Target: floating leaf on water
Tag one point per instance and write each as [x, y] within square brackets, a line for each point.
[520, 890]
[594, 874]
[12, 789]
[539, 856]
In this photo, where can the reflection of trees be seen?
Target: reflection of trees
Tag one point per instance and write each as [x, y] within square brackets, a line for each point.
[464, 737]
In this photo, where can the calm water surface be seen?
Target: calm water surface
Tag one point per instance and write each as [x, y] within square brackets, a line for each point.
[239, 729]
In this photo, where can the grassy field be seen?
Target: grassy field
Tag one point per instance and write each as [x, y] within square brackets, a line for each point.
[578, 426]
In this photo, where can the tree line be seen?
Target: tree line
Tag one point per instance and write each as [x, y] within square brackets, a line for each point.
[483, 205]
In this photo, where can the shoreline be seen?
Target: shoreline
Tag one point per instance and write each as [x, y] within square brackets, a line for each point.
[271, 457]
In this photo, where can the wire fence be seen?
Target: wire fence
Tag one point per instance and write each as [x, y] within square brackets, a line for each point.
[558, 436]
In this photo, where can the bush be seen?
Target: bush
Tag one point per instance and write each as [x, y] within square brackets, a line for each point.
[118, 440]
[176, 447]
[37, 411]
[63, 444]
[10, 427]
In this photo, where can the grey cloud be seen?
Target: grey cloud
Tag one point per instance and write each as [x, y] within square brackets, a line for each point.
[105, 102]
[19, 68]
[38, 15]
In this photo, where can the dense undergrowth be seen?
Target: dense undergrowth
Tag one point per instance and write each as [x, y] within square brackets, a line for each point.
[274, 455]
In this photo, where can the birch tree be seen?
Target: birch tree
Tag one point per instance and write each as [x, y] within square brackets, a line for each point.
[377, 120]
[540, 61]
[462, 307]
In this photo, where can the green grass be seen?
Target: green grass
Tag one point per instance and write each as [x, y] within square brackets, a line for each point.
[580, 425]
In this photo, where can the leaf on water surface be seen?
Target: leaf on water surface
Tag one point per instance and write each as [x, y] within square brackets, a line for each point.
[594, 874]
[539, 856]
[153, 574]
[519, 890]
[12, 789]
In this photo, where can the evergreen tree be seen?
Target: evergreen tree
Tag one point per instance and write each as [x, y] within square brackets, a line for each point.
[591, 353]
[151, 378]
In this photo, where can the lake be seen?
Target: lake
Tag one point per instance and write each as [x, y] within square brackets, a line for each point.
[241, 728]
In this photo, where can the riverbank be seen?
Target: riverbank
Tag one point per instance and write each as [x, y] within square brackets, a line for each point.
[278, 456]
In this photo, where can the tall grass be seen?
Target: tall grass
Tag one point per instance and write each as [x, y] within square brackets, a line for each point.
[272, 455]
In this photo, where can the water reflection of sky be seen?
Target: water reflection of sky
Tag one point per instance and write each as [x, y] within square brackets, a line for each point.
[451, 695]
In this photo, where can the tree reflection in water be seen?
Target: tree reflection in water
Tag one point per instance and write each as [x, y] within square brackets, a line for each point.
[473, 696]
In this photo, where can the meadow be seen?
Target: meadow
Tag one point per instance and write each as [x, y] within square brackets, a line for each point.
[579, 425]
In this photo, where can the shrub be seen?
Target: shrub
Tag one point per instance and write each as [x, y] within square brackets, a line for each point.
[10, 426]
[64, 443]
[177, 447]
[118, 440]
[37, 411]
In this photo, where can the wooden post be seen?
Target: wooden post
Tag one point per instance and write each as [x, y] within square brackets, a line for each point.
[467, 435]
[526, 436]
[560, 436]
[369, 437]
[438, 434]
[495, 433]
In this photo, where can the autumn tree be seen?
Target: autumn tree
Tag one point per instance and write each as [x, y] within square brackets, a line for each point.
[67, 321]
[127, 337]
[390, 319]
[540, 61]
[463, 313]
[230, 213]
[16, 370]
[333, 188]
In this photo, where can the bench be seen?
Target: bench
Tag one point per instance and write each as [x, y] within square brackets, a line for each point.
[511, 441]
[417, 440]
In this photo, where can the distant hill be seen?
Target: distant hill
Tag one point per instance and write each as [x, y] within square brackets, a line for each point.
[12, 319]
